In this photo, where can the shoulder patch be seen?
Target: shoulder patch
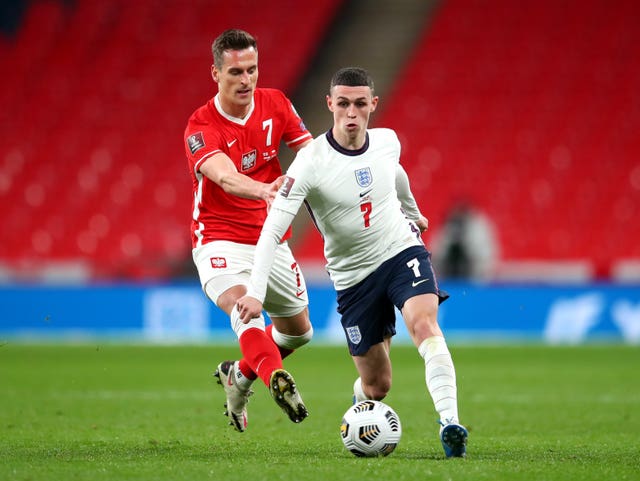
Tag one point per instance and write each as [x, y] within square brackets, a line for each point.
[195, 142]
[285, 188]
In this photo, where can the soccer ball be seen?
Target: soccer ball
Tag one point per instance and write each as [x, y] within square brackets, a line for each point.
[370, 428]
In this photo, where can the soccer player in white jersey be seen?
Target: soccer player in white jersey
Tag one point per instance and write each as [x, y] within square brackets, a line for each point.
[232, 145]
[359, 197]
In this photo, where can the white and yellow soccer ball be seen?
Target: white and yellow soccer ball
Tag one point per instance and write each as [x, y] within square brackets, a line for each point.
[370, 428]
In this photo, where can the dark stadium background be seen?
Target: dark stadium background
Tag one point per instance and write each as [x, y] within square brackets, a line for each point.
[529, 111]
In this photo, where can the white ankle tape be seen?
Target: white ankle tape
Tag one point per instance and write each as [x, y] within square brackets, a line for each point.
[291, 342]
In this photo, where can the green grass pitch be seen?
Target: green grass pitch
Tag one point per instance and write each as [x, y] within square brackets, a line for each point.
[117, 412]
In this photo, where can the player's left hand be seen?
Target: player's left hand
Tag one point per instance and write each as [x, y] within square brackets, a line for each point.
[248, 308]
[422, 223]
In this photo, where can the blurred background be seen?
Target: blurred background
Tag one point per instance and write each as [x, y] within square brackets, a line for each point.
[520, 126]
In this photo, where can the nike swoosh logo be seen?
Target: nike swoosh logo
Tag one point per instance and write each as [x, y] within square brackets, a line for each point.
[229, 144]
[414, 283]
[362, 194]
[299, 293]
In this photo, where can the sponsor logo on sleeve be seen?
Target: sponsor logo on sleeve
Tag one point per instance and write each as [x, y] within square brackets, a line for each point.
[285, 188]
[195, 142]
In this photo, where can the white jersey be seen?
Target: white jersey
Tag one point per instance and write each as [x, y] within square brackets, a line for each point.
[354, 199]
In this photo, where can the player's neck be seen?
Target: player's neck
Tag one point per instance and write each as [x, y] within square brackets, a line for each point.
[349, 142]
[234, 110]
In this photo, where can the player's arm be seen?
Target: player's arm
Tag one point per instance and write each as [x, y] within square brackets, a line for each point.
[276, 224]
[297, 147]
[220, 169]
[295, 135]
[408, 202]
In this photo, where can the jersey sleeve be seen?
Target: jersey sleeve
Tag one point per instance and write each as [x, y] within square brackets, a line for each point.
[277, 223]
[405, 196]
[200, 144]
[295, 132]
[283, 210]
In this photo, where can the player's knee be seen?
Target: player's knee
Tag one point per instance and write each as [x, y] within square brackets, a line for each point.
[288, 341]
[425, 327]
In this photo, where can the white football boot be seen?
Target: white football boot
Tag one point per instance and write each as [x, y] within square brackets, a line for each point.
[237, 399]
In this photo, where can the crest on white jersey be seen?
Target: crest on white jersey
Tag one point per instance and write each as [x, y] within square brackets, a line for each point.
[354, 334]
[363, 176]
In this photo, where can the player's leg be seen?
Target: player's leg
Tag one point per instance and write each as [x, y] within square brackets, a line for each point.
[420, 315]
[375, 373]
[258, 349]
[224, 282]
[286, 303]
[368, 320]
[439, 370]
[224, 268]
[260, 354]
[418, 297]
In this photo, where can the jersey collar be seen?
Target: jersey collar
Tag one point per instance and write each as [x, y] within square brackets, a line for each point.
[334, 143]
[216, 101]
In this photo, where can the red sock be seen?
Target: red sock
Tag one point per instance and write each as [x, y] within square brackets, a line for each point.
[260, 353]
[244, 365]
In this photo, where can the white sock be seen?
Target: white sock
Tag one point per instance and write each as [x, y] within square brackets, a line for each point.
[358, 392]
[441, 378]
[242, 381]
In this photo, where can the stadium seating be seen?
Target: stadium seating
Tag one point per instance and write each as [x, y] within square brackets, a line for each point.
[95, 98]
[530, 111]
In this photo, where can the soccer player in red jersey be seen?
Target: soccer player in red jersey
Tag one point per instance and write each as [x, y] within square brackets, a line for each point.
[232, 145]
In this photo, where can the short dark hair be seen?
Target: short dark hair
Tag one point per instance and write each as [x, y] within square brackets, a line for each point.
[352, 77]
[232, 39]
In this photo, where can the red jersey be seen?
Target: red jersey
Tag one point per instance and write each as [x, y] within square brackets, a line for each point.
[252, 144]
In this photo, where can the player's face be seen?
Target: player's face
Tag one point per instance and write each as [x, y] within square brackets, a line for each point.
[351, 107]
[237, 79]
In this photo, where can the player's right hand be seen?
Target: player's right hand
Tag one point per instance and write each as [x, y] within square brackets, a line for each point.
[272, 190]
[422, 223]
[248, 308]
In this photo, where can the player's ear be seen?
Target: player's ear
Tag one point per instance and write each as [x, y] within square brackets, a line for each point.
[329, 103]
[374, 103]
[215, 75]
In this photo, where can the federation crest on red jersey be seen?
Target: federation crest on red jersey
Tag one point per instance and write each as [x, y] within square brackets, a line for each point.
[248, 161]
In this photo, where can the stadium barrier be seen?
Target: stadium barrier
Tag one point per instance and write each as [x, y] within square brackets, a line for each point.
[177, 313]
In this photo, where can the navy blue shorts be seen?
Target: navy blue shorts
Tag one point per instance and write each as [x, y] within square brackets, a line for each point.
[367, 309]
